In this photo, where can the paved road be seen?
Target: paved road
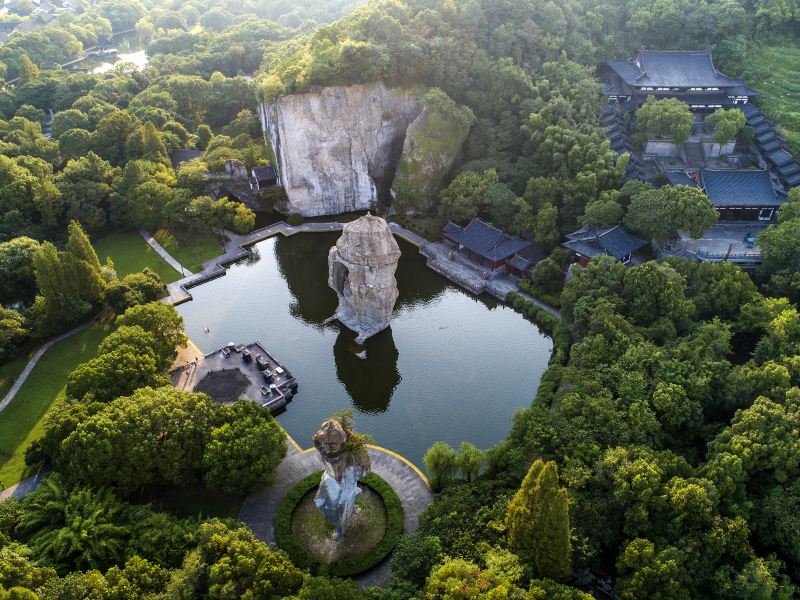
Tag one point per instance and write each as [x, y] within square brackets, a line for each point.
[24, 487]
[162, 252]
[260, 508]
[35, 360]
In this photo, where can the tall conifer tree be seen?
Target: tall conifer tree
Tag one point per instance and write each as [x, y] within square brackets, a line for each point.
[538, 522]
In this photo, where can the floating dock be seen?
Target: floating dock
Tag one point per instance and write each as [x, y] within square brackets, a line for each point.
[239, 371]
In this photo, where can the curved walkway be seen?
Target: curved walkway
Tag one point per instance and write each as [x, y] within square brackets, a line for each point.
[260, 508]
[35, 360]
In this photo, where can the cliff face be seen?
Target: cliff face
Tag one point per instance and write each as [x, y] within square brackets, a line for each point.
[338, 148]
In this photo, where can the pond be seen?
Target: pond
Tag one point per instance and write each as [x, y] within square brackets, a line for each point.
[451, 367]
[130, 51]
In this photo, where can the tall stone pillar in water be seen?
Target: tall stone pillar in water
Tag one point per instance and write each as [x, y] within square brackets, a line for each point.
[361, 269]
[338, 489]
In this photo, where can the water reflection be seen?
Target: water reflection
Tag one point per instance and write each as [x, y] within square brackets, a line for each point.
[447, 369]
[303, 264]
[369, 373]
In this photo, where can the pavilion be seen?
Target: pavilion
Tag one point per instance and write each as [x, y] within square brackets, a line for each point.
[738, 195]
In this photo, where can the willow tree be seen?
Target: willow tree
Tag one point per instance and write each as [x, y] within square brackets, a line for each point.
[537, 521]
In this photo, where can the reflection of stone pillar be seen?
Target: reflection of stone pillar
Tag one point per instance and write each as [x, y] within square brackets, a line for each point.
[361, 269]
[370, 377]
[338, 489]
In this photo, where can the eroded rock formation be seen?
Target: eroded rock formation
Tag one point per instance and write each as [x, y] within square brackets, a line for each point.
[337, 148]
[361, 269]
[432, 145]
[338, 488]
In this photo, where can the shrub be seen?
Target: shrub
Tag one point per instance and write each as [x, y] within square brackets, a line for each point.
[343, 568]
[294, 219]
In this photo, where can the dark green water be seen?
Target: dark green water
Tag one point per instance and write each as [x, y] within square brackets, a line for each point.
[451, 367]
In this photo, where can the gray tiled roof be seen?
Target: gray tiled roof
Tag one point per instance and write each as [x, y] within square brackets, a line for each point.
[487, 241]
[739, 188]
[793, 180]
[779, 157]
[679, 178]
[675, 69]
[614, 241]
[182, 156]
[264, 173]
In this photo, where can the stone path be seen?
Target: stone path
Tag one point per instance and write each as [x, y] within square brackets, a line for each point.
[162, 252]
[35, 360]
[260, 508]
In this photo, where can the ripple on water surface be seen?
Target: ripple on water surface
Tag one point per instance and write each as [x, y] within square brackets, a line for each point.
[451, 367]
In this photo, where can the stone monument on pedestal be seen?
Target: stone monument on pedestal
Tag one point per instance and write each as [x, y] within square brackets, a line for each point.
[361, 269]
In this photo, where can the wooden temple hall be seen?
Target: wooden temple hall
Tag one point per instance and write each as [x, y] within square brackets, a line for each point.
[491, 247]
[688, 76]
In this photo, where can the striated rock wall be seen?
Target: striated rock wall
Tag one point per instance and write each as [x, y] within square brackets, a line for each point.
[337, 148]
[361, 269]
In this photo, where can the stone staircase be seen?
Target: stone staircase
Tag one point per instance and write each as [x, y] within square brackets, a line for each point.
[695, 157]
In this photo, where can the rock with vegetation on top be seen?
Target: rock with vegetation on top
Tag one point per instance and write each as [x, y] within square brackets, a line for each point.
[337, 148]
[341, 149]
[432, 145]
[361, 269]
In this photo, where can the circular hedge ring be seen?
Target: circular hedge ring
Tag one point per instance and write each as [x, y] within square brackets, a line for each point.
[289, 543]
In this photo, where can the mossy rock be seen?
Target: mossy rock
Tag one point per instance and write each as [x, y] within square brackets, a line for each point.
[432, 146]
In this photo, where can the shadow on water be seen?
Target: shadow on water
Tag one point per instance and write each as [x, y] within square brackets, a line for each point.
[369, 373]
[303, 264]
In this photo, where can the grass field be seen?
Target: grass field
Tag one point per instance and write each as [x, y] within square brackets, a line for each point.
[21, 421]
[10, 371]
[193, 249]
[131, 254]
[774, 72]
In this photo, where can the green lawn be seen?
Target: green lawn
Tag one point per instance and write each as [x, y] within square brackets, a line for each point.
[193, 249]
[774, 72]
[21, 421]
[10, 371]
[131, 254]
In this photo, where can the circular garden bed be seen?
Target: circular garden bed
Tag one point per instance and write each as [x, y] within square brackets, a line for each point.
[304, 534]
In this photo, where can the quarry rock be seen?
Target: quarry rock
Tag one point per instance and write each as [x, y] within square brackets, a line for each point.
[337, 148]
[341, 149]
[361, 268]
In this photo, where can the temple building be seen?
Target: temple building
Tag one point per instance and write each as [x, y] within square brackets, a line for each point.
[486, 245]
[743, 195]
[615, 241]
[687, 76]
